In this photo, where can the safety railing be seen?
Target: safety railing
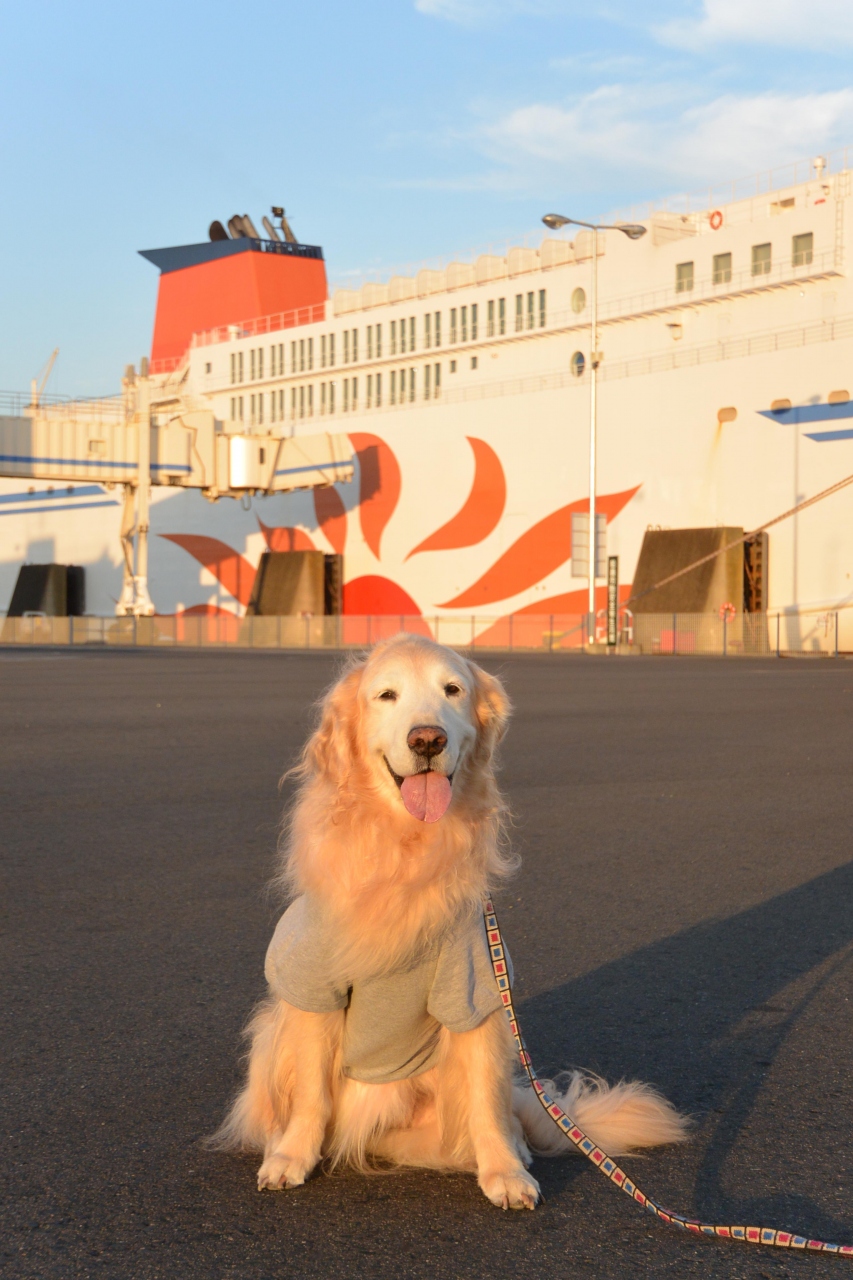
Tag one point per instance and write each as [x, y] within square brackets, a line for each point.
[681, 634]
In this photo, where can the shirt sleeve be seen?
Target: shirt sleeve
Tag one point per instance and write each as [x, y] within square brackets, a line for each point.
[464, 990]
[297, 964]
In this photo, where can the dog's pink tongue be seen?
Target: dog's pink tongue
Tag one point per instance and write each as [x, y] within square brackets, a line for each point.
[426, 796]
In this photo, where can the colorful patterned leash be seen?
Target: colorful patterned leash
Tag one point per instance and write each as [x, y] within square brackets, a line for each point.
[602, 1161]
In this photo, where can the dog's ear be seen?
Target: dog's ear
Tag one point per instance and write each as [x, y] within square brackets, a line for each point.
[331, 749]
[492, 708]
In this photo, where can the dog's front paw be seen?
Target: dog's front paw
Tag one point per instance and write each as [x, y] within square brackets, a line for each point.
[279, 1171]
[516, 1190]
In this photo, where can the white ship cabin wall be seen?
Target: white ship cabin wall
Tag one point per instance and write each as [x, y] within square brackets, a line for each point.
[704, 323]
[703, 329]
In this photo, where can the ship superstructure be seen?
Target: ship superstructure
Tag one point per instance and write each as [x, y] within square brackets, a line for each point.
[726, 338]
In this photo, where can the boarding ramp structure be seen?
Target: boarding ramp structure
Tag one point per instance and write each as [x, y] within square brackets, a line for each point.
[156, 433]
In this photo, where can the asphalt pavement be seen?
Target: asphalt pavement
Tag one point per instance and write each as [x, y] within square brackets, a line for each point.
[684, 915]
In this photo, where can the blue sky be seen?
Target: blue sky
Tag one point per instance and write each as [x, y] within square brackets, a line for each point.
[392, 130]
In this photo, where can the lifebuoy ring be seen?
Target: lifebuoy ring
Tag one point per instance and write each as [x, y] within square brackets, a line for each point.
[728, 610]
[716, 219]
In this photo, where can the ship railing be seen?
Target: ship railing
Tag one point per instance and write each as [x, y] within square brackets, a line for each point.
[260, 325]
[728, 634]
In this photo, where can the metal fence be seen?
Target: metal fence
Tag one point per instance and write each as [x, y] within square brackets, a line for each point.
[682, 634]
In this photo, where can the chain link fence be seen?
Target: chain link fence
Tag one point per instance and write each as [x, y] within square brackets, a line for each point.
[681, 634]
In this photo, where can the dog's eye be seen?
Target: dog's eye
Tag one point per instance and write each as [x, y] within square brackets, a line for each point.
[387, 695]
[452, 690]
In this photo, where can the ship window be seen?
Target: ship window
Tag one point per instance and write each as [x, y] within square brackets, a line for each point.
[323, 351]
[280, 401]
[541, 308]
[437, 387]
[531, 298]
[473, 362]
[310, 356]
[393, 337]
[393, 386]
[761, 259]
[426, 381]
[452, 366]
[240, 407]
[379, 342]
[301, 355]
[502, 314]
[331, 397]
[302, 402]
[577, 364]
[346, 395]
[722, 268]
[412, 323]
[490, 322]
[260, 362]
[411, 384]
[438, 328]
[519, 311]
[370, 391]
[684, 277]
[322, 398]
[354, 392]
[233, 369]
[402, 336]
[474, 322]
[379, 390]
[293, 402]
[346, 346]
[240, 368]
[803, 249]
[293, 365]
[233, 405]
[452, 325]
[208, 367]
[464, 319]
[311, 401]
[578, 301]
[369, 350]
[355, 346]
[427, 335]
[331, 351]
[252, 363]
[261, 410]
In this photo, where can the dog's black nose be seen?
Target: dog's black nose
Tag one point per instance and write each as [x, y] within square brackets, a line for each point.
[427, 740]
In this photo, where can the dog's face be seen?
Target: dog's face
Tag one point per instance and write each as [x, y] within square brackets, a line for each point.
[425, 711]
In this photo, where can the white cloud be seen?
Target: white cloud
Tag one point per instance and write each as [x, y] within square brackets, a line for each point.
[631, 132]
[476, 12]
[820, 24]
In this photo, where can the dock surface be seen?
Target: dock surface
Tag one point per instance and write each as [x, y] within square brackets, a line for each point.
[684, 915]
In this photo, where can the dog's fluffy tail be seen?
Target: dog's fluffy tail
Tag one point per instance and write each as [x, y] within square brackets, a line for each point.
[618, 1118]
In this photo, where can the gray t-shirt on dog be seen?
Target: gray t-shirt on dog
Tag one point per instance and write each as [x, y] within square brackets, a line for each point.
[392, 1023]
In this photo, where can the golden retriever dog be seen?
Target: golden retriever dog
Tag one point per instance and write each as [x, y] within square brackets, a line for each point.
[383, 1040]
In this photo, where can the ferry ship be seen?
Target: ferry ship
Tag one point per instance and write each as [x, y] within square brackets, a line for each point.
[725, 350]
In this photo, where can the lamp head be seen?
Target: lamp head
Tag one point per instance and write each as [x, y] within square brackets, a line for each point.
[633, 230]
[555, 220]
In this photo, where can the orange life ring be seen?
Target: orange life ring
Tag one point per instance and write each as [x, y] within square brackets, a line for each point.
[716, 219]
[728, 610]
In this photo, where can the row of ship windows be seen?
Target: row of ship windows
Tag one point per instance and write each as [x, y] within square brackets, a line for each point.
[402, 338]
[802, 254]
[400, 386]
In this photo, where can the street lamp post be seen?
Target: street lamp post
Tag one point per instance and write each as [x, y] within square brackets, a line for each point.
[633, 231]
